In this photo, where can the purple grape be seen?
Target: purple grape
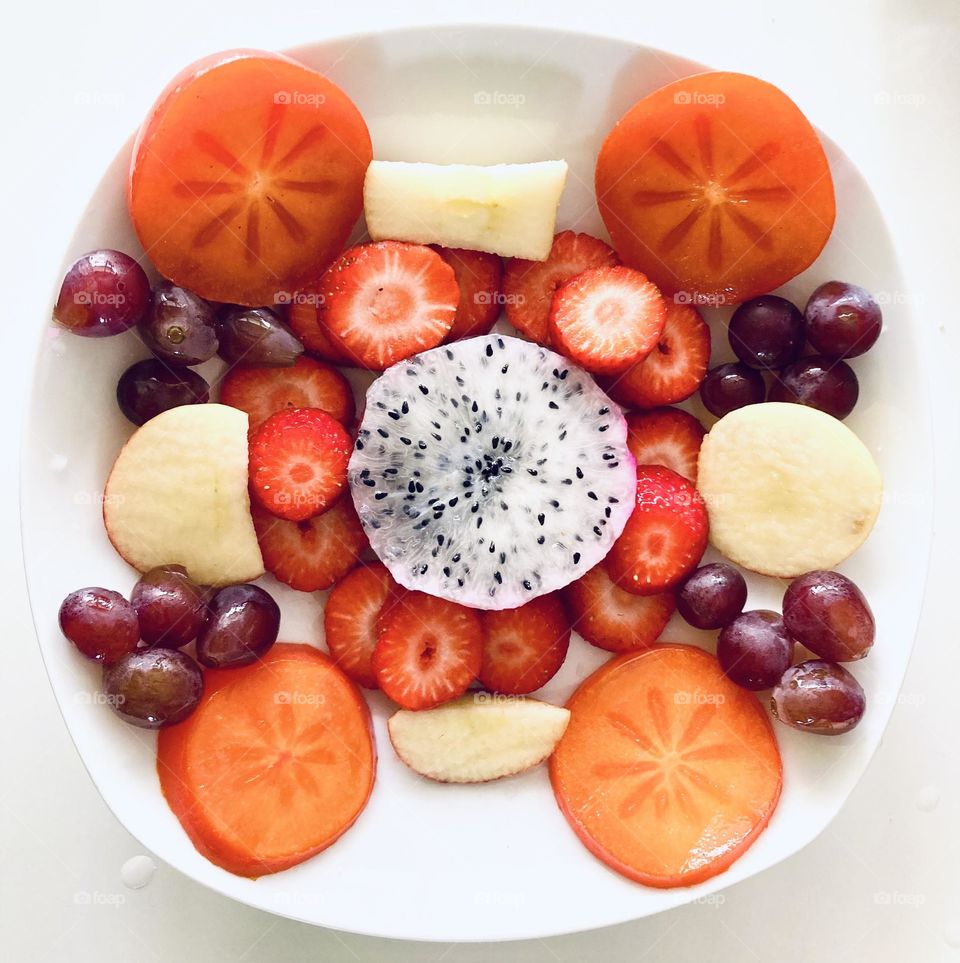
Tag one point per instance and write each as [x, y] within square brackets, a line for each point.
[713, 596]
[843, 320]
[149, 387]
[828, 614]
[256, 336]
[820, 697]
[818, 382]
[242, 623]
[731, 386]
[101, 624]
[103, 293]
[180, 327]
[754, 650]
[170, 607]
[766, 332]
[153, 688]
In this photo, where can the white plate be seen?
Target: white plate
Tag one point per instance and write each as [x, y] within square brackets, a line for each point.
[498, 861]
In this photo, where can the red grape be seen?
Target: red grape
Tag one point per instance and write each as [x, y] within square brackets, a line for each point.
[843, 320]
[256, 336]
[103, 293]
[818, 382]
[170, 607]
[101, 624]
[180, 327]
[713, 596]
[149, 387]
[731, 386]
[766, 332]
[754, 650]
[820, 697]
[153, 688]
[828, 614]
[242, 623]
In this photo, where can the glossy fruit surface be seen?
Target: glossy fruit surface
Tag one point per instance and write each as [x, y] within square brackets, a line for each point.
[843, 320]
[731, 386]
[102, 624]
[713, 596]
[242, 624]
[755, 650]
[818, 382]
[179, 327]
[766, 332]
[148, 387]
[153, 688]
[827, 613]
[169, 605]
[820, 697]
[256, 336]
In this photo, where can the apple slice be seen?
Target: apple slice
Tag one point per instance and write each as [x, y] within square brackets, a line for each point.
[177, 495]
[507, 209]
[478, 737]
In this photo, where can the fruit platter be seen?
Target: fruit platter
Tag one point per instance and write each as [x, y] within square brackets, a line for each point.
[477, 482]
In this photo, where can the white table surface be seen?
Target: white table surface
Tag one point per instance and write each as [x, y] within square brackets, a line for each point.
[883, 881]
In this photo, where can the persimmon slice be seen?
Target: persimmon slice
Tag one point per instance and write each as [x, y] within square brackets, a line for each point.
[667, 771]
[275, 763]
[716, 187]
[247, 177]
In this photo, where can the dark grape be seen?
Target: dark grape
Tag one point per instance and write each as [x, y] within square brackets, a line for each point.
[820, 697]
[153, 688]
[731, 386]
[149, 387]
[101, 624]
[242, 623]
[843, 320]
[754, 650]
[828, 614]
[713, 596]
[180, 327]
[103, 293]
[818, 382]
[766, 332]
[170, 607]
[256, 336]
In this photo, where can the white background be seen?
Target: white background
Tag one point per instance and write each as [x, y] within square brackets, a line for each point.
[883, 882]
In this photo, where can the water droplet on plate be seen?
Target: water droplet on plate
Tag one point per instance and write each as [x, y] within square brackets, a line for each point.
[137, 871]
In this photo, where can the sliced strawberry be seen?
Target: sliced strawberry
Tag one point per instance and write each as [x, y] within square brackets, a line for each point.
[607, 318]
[479, 276]
[529, 286]
[384, 301]
[298, 463]
[665, 536]
[307, 384]
[428, 652]
[612, 619]
[524, 648]
[311, 555]
[350, 620]
[676, 366]
[303, 316]
[666, 436]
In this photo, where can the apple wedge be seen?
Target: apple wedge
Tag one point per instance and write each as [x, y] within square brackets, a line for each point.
[506, 209]
[177, 495]
[478, 737]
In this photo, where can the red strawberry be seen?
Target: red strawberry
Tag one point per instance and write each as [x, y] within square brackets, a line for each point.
[384, 301]
[303, 316]
[350, 620]
[307, 384]
[428, 651]
[665, 536]
[607, 318]
[529, 286]
[612, 619]
[676, 366]
[298, 463]
[311, 555]
[479, 276]
[524, 648]
[666, 436]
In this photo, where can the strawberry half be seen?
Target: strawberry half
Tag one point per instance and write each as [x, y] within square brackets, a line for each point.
[665, 536]
[607, 318]
[479, 276]
[307, 384]
[428, 652]
[523, 648]
[612, 619]
[298, 463]
[384, 301]
[529, 286]
[350, 620]
[311, 555]
[669, 437]
[674, 368]
[303, 316]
